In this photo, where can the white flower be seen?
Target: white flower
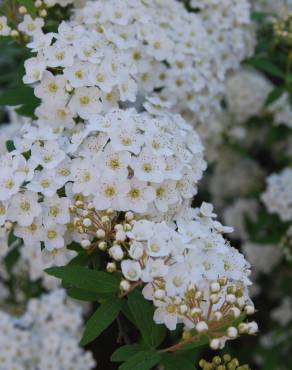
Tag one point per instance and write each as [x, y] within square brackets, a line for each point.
[49, 155]
[34, 69]
[166, 313]
[85, 102]
[31, 26]
[138, 197]
[177, 279]
[59, 55]
[85, 176]
[24, 207]
[52, 89]
[53, 236]
[44, 182]
[56, 210]
[166, 195]
[115, 162]
[10, 181]
[131, 270]
[148, 167]
[136, 250]
[109, 191]
[4, 28]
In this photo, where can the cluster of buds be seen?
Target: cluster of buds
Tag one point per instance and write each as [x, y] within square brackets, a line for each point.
[215, 313]
[105, 230]
[223, 363]
[283, 28]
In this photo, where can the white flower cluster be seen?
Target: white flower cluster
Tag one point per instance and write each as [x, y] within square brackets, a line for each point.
[111, 52]
[279, 7]
[278, 195]
[188, 270]
[246, 93]
[234, 176]
[123, 160]
[45, 337]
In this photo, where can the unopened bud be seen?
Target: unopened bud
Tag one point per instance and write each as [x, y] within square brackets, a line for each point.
[125, 285]
[85, 243]
[111, 267]
[100, 233]
[202, 327]
[22, 10]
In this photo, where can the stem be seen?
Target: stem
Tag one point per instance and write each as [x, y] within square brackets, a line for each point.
[177, 346]
[134, 286]
[123, 336]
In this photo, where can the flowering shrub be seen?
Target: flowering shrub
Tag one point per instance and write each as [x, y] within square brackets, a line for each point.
[115, 111]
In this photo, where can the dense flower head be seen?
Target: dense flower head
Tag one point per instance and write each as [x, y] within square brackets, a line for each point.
[108, 53]
[45, 337]
[246, 93]
[278, 195]
[188, 270]
[122, 160]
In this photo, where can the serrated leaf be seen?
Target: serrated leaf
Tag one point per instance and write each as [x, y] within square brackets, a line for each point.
[84, 278]
[29, 4]
[106, 313]
[125, 352]
[144, 360]
[142, 311]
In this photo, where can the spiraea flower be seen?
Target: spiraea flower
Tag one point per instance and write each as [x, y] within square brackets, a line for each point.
[45, 336]
[278, 195]
[108, 53]
[122, 160]
[187, 268]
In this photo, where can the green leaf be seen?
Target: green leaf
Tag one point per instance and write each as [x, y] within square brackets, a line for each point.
[267, 66]
[10, 146]
[80, 260]
[17, 96]
[274, 95]
[185, 361]
[106, 313]
[125, 352]
[82, 295]
[201, 342]
[144, 360]
[29, 4]
[142, 311]
[84, 278]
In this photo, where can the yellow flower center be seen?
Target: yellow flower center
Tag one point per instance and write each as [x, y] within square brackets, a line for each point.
[25, 206]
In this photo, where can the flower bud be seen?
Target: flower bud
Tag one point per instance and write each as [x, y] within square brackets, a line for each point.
[249, 310]
[183, 309]
[129, 216]
[22, 10]
[232, 332]
[121, 236]
[252, 327]
[125, 285]
[230, 298]
[85, 243]
[87, 222]
[215, 343]
[100, 233]
[202, 327]
[116, 253]
[215, 287]
[102, 246]
[111, 267]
